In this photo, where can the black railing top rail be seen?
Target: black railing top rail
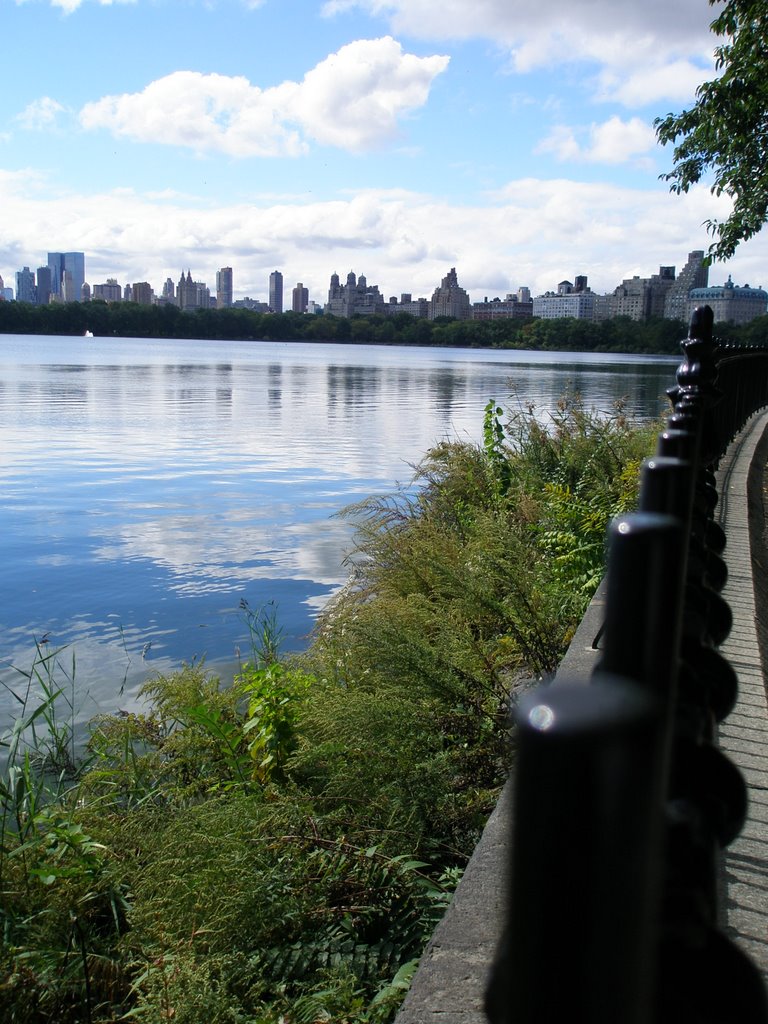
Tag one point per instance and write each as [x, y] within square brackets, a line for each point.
[623, 800]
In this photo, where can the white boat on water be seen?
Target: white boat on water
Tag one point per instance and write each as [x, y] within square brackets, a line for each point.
[88, 334]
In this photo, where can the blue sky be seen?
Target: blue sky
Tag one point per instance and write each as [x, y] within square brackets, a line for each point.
[395, 138]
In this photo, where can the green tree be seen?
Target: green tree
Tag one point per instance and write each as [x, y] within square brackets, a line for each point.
[726, 131]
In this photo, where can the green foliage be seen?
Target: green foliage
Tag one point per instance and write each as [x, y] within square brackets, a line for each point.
[274, 694]
[493, 446]
[725, 131]
[57, 899]
[282, 848]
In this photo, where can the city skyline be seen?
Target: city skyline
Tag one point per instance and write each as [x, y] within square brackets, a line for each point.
[381, 138]
[672, 293]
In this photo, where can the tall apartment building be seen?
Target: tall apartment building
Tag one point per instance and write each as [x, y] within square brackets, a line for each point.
[640, 298]
[204, 295]
[355, 298]
[693, 275]
[510, 308]
[300, 298]
[418, 308]
[25, 286]
[556, 305]
[142, 293]
[450, 299]
[108, 292]
[44, 286]
[729, 302]
[276, 291]
[224, 288]
[187, 293]
[67, 275]
[572, 300]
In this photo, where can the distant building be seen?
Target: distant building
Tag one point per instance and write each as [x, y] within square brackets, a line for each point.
[573, 300]
[186, 292]
[450, 299]
[25, 286]
[276, 291]
[355, 298]
[693, 275]
[300, 298]
[67, 274]
[6, 294]
[253, 304]
[108, 292]
[640, 298]
[510, 308]
[224, 288]
[142, 293]
[44, 287]
[730, 303]
[556, 305]
[204, 298]
[128, 293]
[418, 308]
[85, 292]
[69, 288]
[169, 291]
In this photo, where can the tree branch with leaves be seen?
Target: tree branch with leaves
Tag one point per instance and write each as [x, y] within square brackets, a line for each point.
[726, 131]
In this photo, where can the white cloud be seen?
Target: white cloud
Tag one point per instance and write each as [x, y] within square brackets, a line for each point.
[198, 111]
[68, 6]
[353, 99]
[40, 114]
[612, 142]
[655, 80]
[646, 50]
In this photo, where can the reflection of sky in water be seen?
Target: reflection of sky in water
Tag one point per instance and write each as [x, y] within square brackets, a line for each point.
[147, 486]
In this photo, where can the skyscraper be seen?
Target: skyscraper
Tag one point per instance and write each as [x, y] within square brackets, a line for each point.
[695, 274]
[43, 286]
[63, 264]
[450, 299]
[224, 287]
[276, 291]
[300, 298]
[25, 286]
[142, 293]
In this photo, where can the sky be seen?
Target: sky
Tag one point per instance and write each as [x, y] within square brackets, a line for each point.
[393, 138]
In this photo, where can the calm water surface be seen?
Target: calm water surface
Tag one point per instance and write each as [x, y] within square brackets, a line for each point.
[147, 486]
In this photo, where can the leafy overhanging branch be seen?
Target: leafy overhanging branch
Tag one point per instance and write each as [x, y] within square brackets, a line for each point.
[726, 131]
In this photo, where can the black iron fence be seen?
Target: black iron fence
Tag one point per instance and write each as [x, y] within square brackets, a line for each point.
[624, 803]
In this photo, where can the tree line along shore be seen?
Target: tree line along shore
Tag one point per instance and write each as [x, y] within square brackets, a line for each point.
[132, 320]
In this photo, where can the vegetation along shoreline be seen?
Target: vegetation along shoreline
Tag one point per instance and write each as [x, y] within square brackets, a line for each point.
[282, 848]
[132, 320]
